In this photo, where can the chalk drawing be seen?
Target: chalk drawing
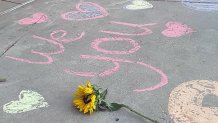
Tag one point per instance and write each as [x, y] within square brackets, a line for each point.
[145, 32]
[201, 5]
[58, 38]
[95, 44]
[28, 100]
[53, 41]
[85, 11]
[176, 29]
[139, 4]
[59, 46]
[36, 18]
[163, 78]
[185, 102]
[93, 74]
[116, 62]
[61, 39]
[47, 56]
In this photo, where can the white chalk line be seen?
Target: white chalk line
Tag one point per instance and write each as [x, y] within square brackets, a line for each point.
[16, 7]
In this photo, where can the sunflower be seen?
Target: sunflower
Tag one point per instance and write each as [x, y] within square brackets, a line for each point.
[91, 97]
[85, 98]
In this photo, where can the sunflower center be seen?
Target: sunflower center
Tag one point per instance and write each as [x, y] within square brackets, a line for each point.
[87, 99]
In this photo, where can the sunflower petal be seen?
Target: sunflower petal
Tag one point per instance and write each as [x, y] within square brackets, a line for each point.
[89, 85]
[82, 94]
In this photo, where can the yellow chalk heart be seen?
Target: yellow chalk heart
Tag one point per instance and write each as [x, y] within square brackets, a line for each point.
[139, 4]
[28, 100]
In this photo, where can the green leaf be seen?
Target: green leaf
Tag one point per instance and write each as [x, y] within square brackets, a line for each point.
[103, 94]
[94, 88]
[102, 105]
[115, 106]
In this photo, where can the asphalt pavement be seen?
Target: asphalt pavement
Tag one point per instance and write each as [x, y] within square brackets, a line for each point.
[159, 57]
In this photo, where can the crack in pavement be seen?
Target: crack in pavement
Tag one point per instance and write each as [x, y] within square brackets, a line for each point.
[9, 47]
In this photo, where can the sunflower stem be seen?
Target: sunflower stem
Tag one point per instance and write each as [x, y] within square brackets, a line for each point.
[134, 111]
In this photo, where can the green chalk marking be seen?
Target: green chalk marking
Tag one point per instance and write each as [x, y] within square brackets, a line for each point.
[28, 100]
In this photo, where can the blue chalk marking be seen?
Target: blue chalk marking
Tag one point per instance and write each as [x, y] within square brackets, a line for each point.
[202, 5]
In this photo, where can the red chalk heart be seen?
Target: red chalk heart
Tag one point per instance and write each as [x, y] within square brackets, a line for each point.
[176, 29]
[36, 18]
[86, 11]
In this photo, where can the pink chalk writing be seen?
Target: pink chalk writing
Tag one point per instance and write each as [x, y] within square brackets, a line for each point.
[60, 47]
[105, 58]
[36, 18]
[88, 11]
[146, 31]
[85, 74]
[116, 62]
[97, 42]
[93, 74]
[61, 38]
[163, 80]
[176, 29]
[47, 56]
[85, 11]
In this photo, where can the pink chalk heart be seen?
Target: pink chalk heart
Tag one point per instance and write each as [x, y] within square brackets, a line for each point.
[36, 18]
[176, 29]
[86, 11]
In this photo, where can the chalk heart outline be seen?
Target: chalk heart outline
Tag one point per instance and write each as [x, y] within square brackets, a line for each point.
[28, 100]
[176, 29]
[139, 4]
[36, 18]
[185, 102]
[85, 13]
